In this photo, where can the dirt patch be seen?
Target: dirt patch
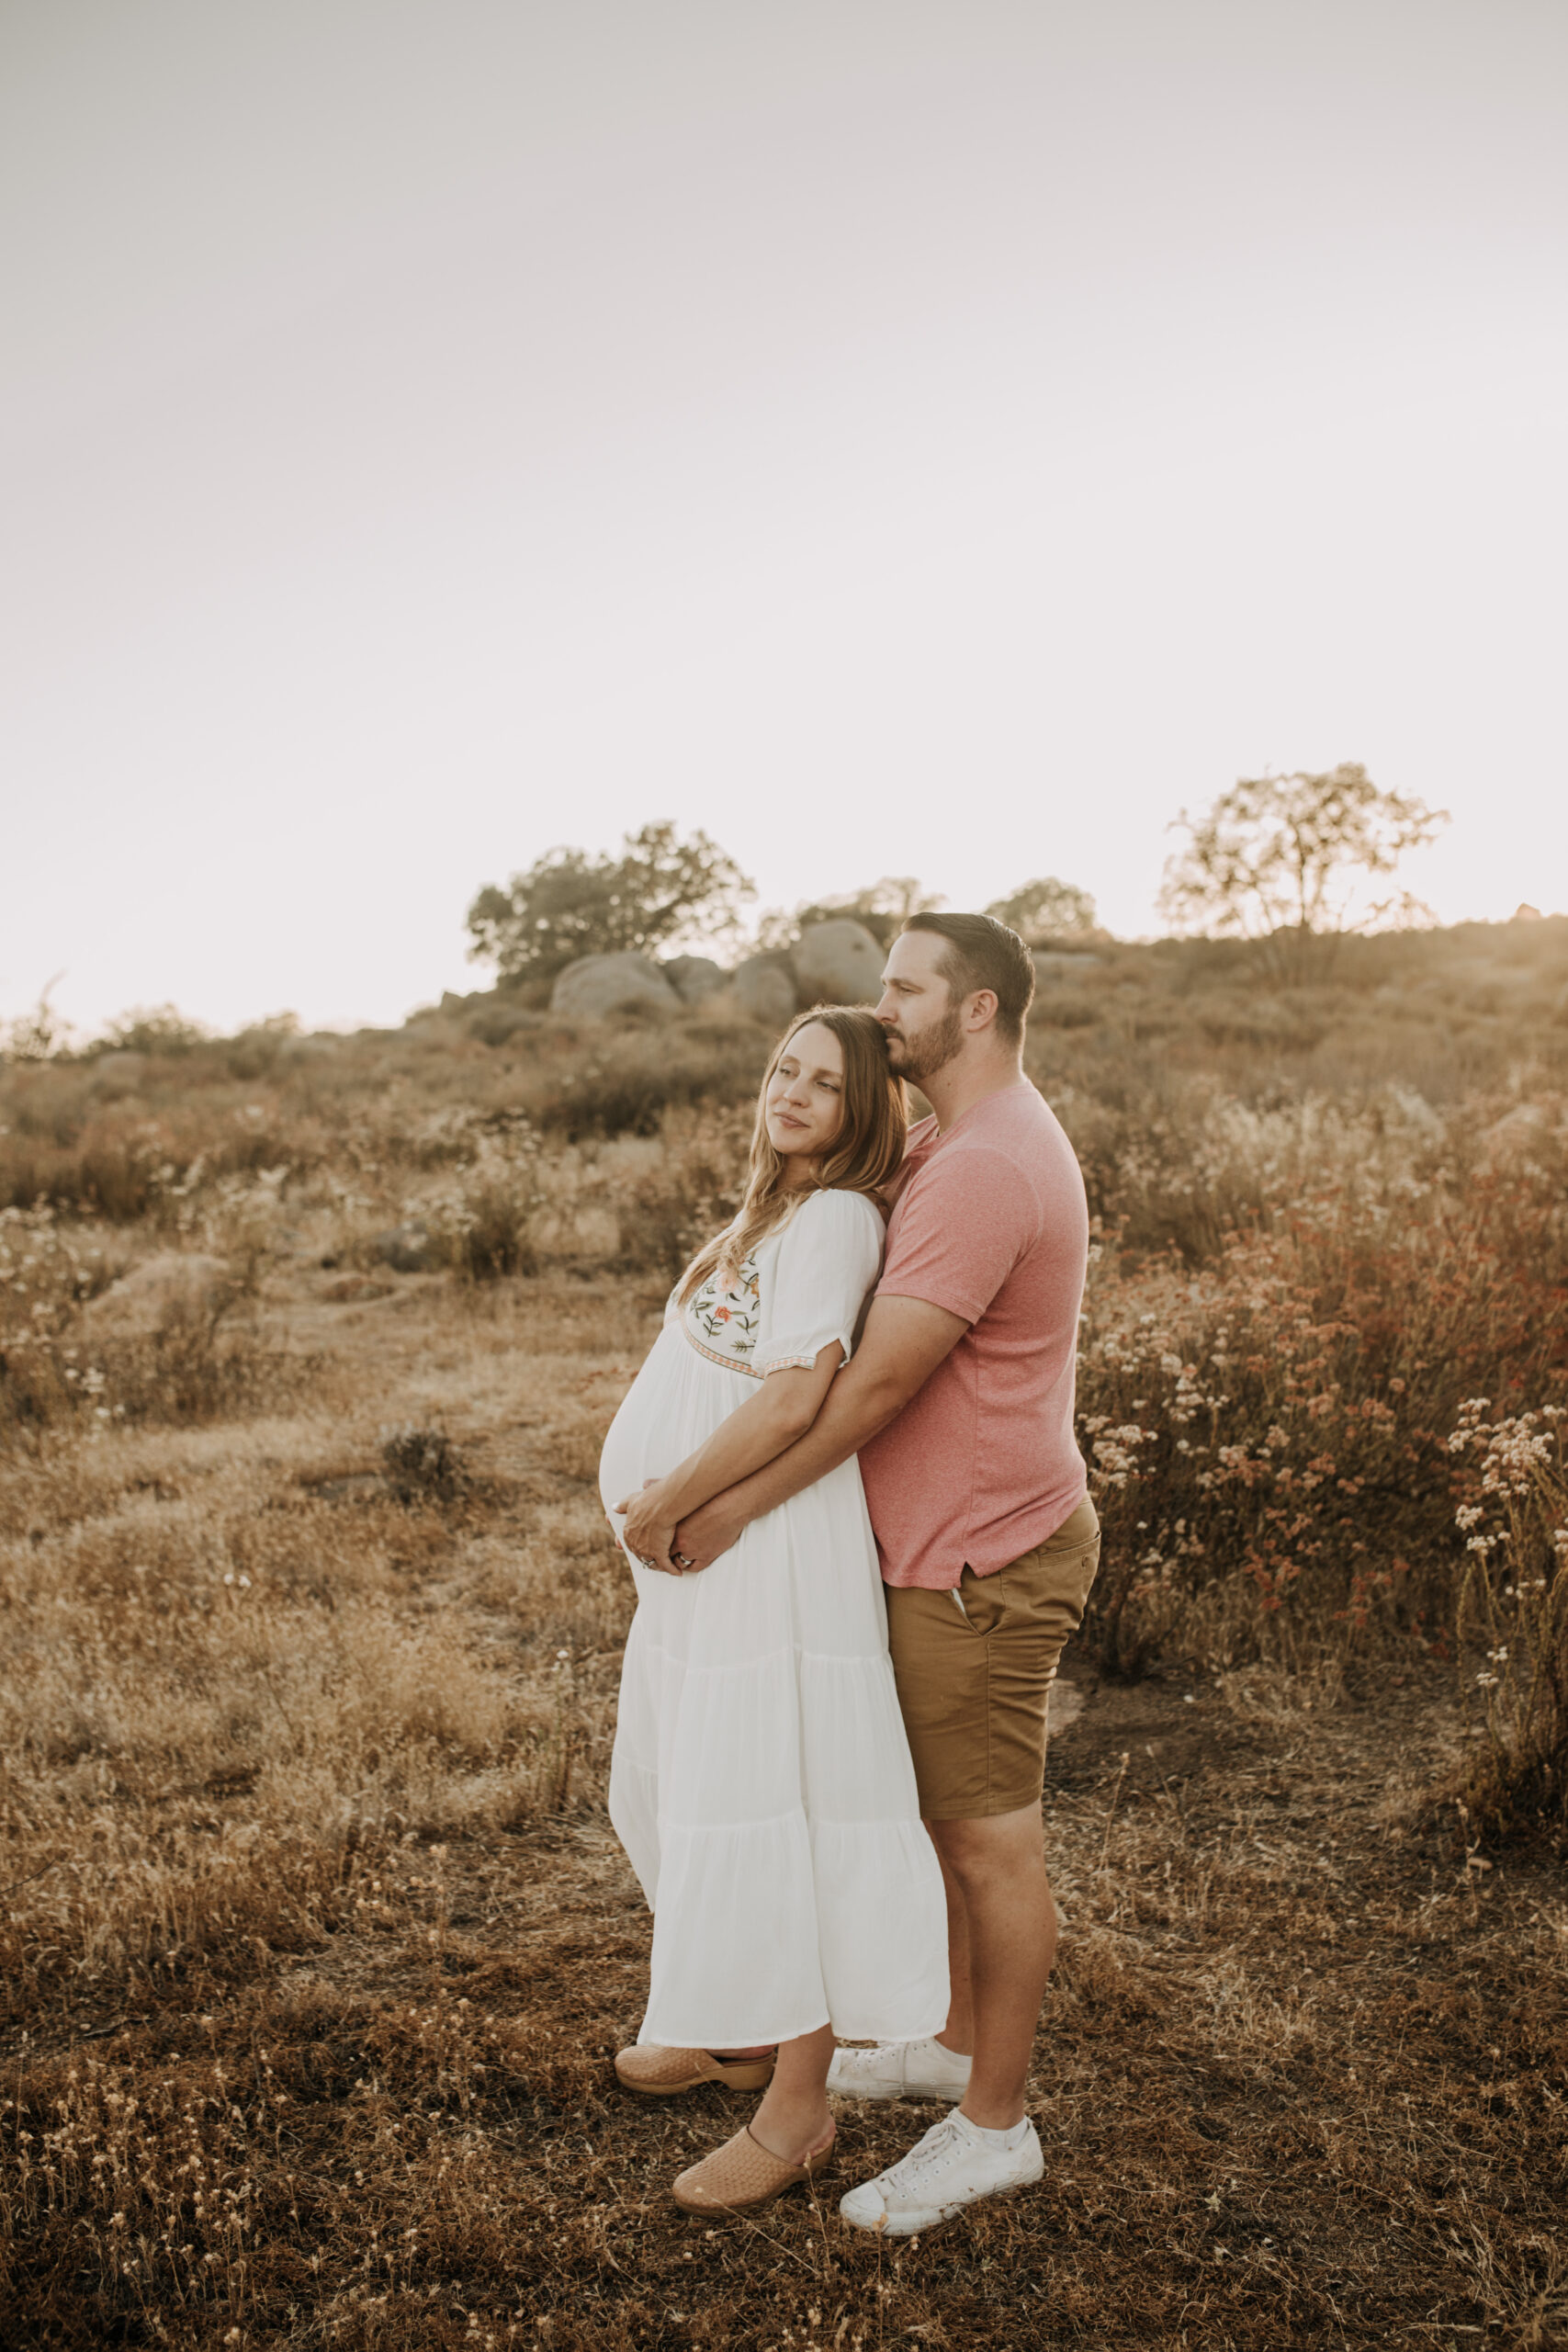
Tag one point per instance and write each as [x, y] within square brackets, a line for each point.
[1299, 2080]
[319, 1946]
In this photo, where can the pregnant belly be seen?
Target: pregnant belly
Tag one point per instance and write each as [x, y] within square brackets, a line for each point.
[643, 1441]
[621, 1470]
[673, 1406]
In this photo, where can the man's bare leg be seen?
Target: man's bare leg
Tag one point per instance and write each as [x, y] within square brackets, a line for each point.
[997, 1864]
[958, 2033]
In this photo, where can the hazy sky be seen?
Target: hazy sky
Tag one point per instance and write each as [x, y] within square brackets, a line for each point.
[894, 436]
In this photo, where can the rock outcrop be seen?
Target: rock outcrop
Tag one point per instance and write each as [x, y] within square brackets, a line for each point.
[693, 977]
[597, 984]
[764, 989]
[839, 962]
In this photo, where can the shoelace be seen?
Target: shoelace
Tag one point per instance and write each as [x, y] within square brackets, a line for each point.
[907, 2041]
[931, 2152]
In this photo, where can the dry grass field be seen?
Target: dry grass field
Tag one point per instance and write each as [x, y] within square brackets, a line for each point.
[316, 1943]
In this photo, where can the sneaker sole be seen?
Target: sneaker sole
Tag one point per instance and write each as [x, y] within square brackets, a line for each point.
[934, 2216]
[918, 2091]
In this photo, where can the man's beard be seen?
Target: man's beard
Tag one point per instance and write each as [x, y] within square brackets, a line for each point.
[917, 1059]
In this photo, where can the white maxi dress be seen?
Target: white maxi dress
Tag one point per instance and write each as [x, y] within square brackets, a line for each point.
[760, 1781]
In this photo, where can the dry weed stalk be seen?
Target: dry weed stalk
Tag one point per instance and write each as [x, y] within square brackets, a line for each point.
[1514, 1606]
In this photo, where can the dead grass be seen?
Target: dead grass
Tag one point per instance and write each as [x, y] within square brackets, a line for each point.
[316, 1946]
[319, 1948]
[1299, 2082]
[235, 1654]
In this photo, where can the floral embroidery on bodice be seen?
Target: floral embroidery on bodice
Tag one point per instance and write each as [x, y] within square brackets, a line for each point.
[723, 1318]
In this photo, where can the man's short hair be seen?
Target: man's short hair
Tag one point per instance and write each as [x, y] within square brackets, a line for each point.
[981, 953]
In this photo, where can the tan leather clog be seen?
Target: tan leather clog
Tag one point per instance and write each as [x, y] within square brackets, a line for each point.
[743, 2175]
[661, 2073]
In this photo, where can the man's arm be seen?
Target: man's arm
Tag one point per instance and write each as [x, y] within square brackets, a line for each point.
[905, 1340]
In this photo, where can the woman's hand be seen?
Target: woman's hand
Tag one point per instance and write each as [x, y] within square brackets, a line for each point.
[704, 1534]
[651, 1528]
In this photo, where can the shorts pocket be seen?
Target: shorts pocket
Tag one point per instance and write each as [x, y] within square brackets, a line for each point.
[1060, 1587]
[985, 1600]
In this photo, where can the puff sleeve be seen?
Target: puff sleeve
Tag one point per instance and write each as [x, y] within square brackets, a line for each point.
[828, 1256]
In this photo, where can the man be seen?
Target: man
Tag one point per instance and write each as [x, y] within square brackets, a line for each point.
[959, 1401]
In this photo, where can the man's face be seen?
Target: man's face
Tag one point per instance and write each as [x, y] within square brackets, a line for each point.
[925, 1027]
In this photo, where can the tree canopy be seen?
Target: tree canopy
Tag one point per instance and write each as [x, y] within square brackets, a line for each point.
[1284, 860]
[660, 892]
[1039, 909]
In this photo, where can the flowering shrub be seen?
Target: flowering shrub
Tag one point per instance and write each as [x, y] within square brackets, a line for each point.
[1268, 1434]
[1294, 1292]
[669, 1200]
[47, 1270]
[512, 1200]
[1514, 1601]
[187, 1357]
[485, 1207]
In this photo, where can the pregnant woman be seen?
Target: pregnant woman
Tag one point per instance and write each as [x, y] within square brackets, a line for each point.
[760, 1781]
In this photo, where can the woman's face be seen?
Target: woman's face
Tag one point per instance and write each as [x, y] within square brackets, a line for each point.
[804, 1108]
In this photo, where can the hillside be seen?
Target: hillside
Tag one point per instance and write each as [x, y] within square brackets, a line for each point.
[316, 1945]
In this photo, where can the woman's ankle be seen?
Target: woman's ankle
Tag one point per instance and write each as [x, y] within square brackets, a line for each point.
[792, 2138]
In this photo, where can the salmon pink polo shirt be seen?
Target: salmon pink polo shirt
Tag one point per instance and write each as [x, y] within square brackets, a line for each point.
[991, 1224]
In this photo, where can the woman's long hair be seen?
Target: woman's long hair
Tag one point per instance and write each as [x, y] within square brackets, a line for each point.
[861, 1157]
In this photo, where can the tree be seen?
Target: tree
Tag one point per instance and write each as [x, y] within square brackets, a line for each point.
[883, 908]
[659, 891]
[1038, 911]
[1281, 860]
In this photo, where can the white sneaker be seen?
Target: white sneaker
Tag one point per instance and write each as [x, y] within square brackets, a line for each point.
[923, 2069]
[951, 2167]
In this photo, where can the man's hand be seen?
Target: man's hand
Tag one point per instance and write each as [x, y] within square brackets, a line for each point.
[710, 1532]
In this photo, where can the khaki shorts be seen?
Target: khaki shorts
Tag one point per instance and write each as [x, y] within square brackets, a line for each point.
[973, 1681]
